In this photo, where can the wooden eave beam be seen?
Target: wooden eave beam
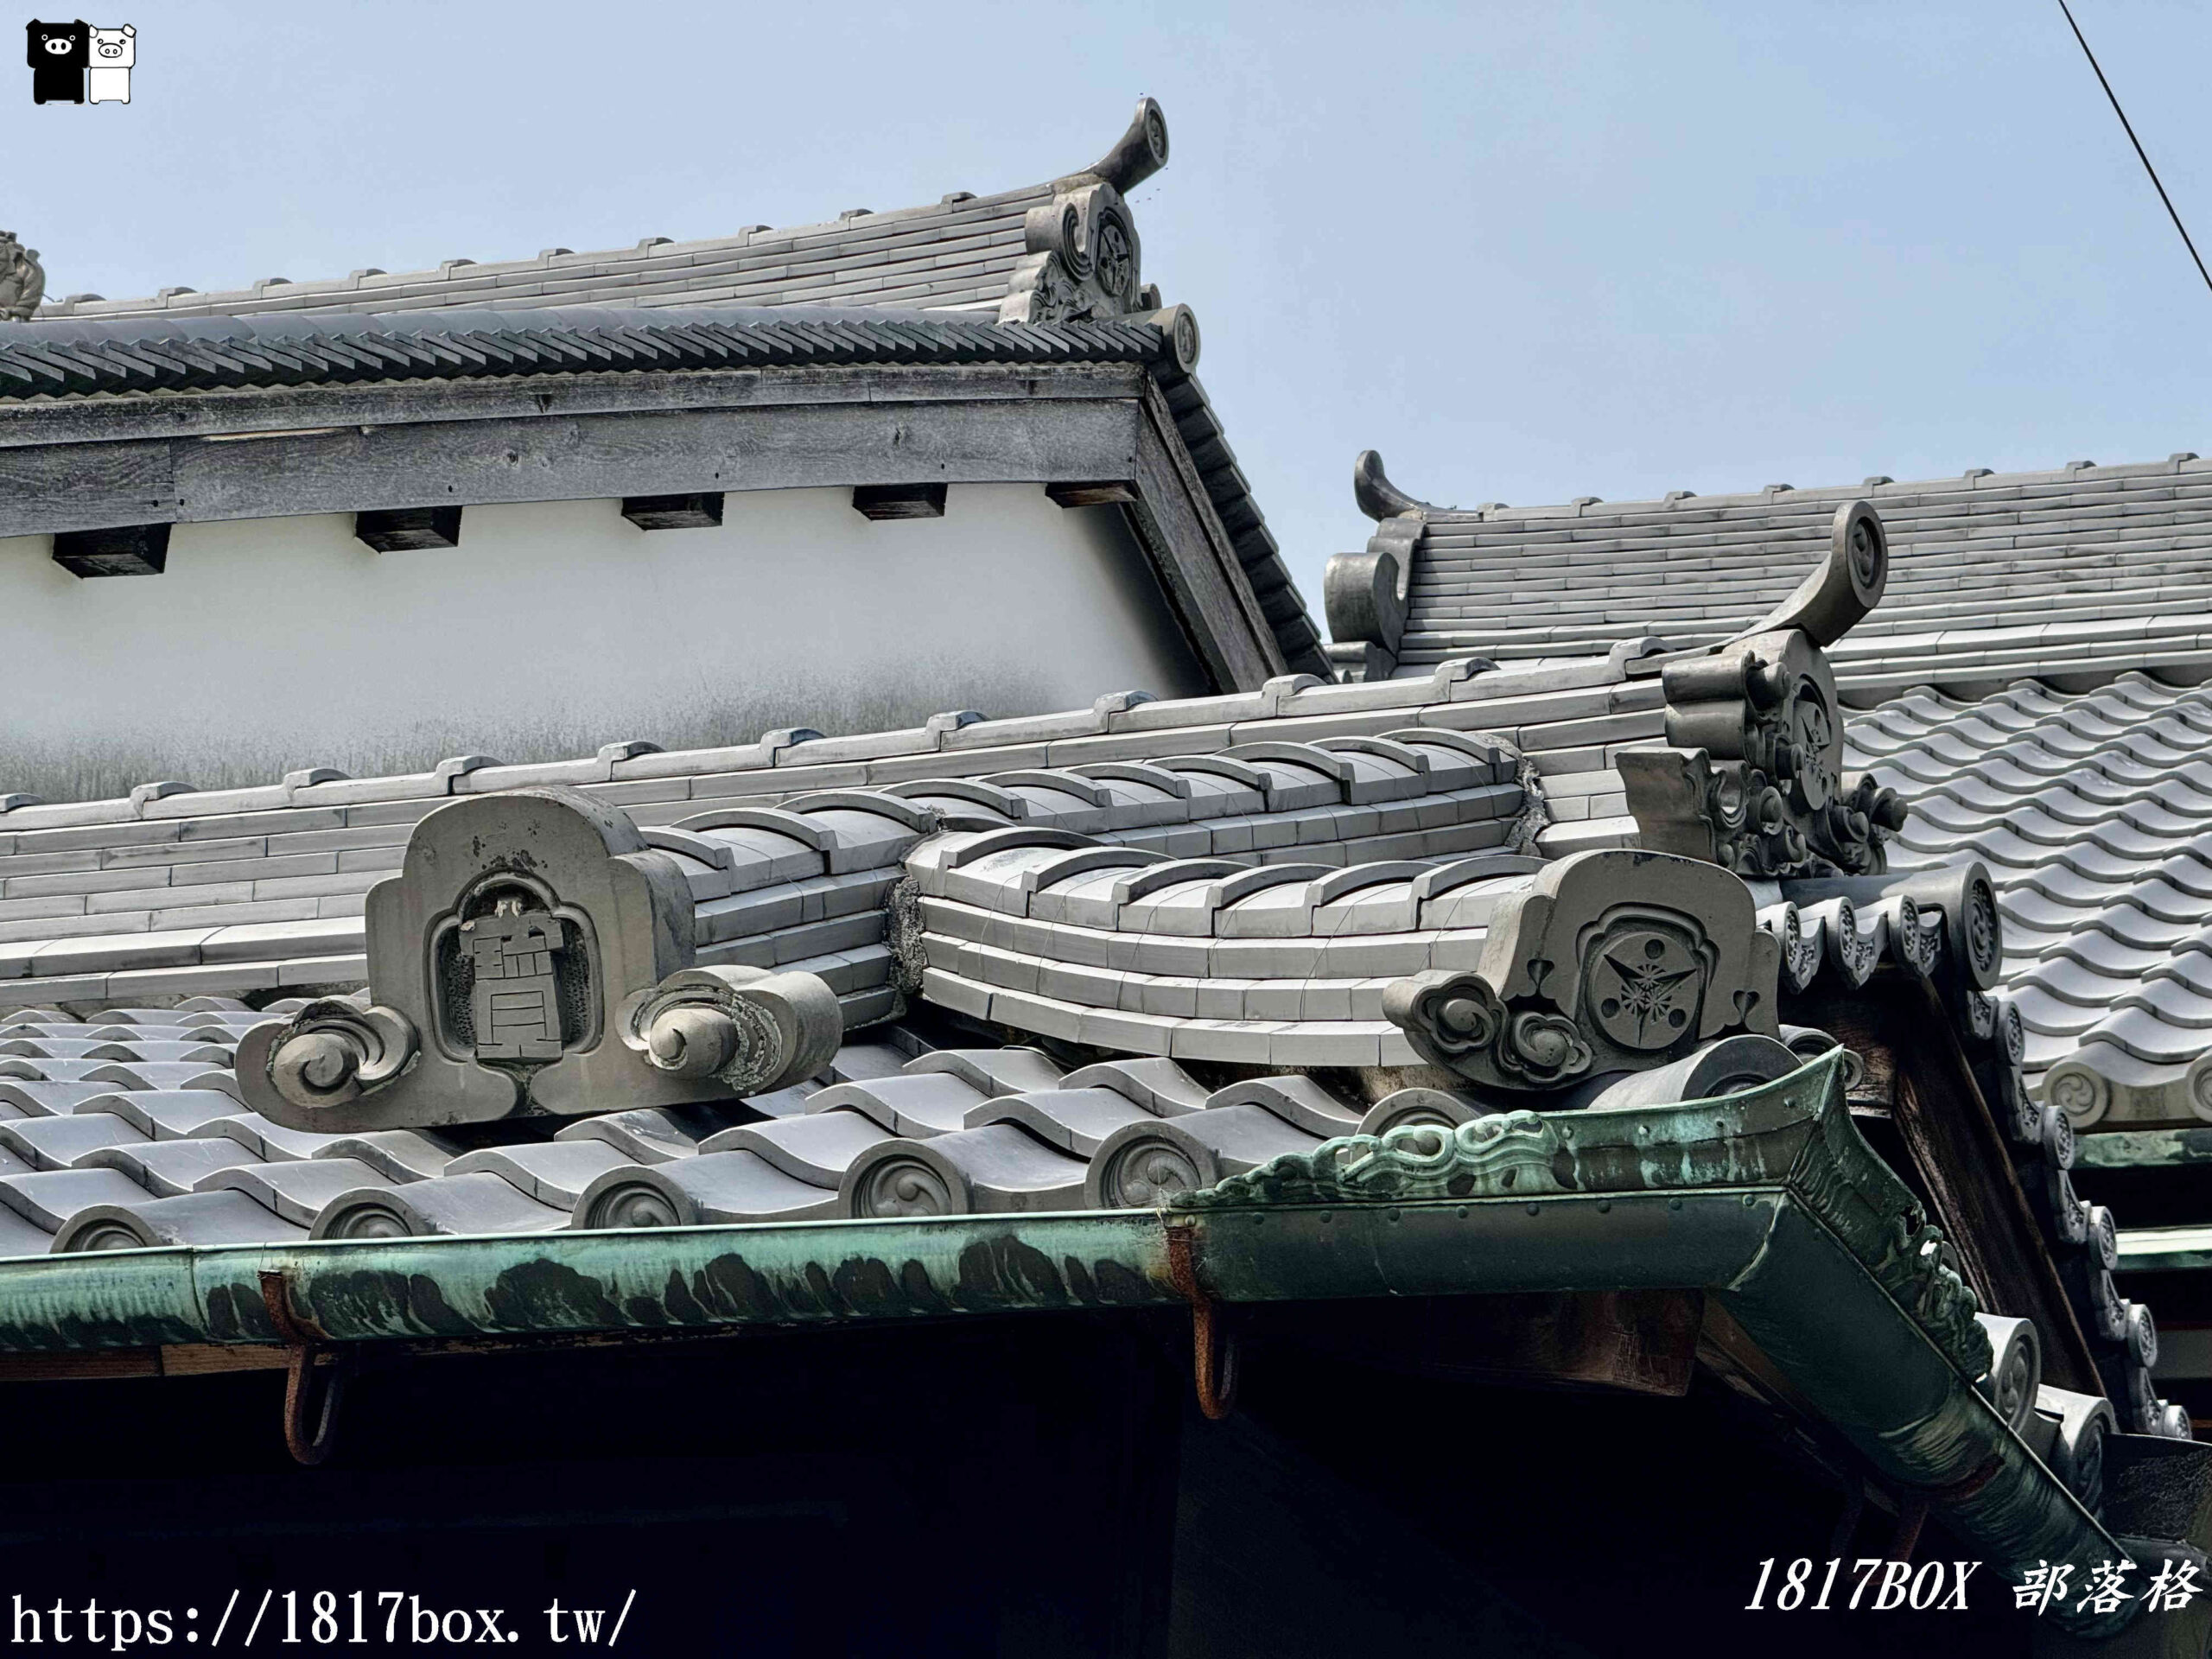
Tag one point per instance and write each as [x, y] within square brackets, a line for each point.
[357, 449]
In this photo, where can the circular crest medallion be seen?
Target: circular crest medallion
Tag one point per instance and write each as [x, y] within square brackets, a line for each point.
[1645, 988]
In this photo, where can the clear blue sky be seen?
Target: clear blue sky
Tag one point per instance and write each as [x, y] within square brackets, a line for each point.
[1529, 252]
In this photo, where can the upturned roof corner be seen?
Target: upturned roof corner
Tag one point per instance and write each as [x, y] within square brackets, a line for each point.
[1082, 256]
[1378, 497]
[1752, 775]
[1365, 595]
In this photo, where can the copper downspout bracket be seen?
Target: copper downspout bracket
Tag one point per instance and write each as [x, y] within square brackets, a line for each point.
[304, 1345]
[1213, 1347]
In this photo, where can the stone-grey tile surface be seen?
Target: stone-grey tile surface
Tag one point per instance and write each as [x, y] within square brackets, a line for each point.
[2084, 570]
[2093, 812]
[1455, 763]
[996, 1129]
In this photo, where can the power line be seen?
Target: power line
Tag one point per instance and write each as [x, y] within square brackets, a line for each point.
[2129, 126]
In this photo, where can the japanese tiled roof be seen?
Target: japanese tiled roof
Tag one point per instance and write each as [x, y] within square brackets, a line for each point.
[957, 254]
[1076, 962]
[43, 361]
[919, 286]
[176, 892]
[1398, 815]
[2093, 812]
[138, 926]
[227, 353]
[2026, 683]
[127, 1128]
[2082, 573]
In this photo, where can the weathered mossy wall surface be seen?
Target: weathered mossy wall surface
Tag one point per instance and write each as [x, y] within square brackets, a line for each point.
[275, 644]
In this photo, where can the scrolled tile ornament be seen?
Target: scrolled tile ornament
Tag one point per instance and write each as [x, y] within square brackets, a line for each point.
[1081, 258]
[533, 957]
[336, 1050]
[1544, 1049]
[1081, 261]
[23, 279]
[750, 1030]
[1752, 777]
[1611, 961]
[1460, 1011]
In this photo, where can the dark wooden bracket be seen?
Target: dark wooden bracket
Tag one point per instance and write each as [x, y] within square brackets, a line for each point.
[1846, 1524]
[691, 509]
[1107, 492]
[882, 501]
[1912, 1516]
[304, 1345]
[406, 530]
[123, 550]
[1213, 1347]
[1914, 1503]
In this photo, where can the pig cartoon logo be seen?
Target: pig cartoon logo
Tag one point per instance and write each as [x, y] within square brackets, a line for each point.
[113, 52]
[66, 58]
[58, 53]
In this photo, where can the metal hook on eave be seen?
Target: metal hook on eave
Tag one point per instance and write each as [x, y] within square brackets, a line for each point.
[1213, 1348]
[303, 1345]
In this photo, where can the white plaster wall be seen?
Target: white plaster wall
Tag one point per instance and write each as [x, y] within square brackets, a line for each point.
[556, 626]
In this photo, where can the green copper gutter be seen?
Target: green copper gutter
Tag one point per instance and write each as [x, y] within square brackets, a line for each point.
[571, 1283]
[1769, 1200]
[2144, 1148]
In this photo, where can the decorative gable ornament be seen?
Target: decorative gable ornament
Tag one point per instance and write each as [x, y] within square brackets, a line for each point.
[1084, 260]
[1752, 779]
[23, 279]
[1610, 961]
[534, 957]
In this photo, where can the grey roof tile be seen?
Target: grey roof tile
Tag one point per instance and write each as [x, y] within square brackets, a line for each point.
[1076, 1121]
[21, 1237]
[186, 1218]
[731, 1185]
[2086, 573]
[995, 1168]
[447, 345]
[654, 1134]
[169, 1168]
[2084, 808]
[58, 1142]
[399, 1155]
[816, 1147]
[296, 1189]
[974, 243]
[476, 1203]
[50, 1197]
[554, 1173]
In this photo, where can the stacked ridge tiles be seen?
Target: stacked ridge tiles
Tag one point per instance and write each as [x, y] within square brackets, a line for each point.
[172, 892]
[2085, 570]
